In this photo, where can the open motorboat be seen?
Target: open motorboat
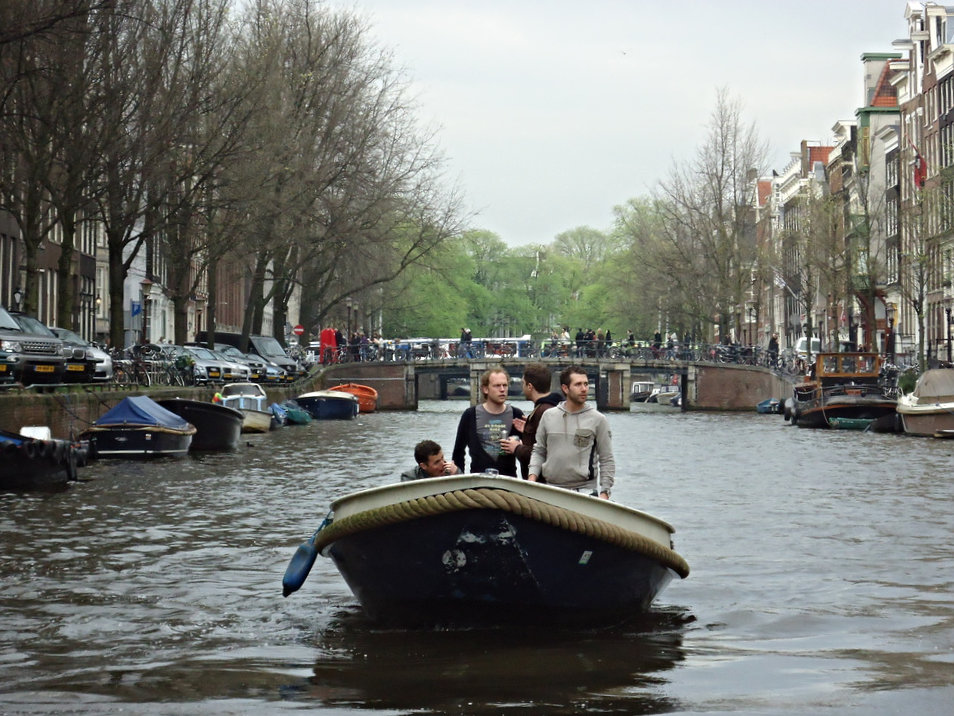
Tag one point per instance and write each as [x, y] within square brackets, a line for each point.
[366, 395]
[641, 390]
[468, 548]
[929, 409]
[217, 427]
[137, 426]
[249, 399]
[844, 386]
[295, 414]
[329, 404]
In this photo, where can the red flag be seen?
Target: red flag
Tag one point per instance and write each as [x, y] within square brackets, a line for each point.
[920, 169]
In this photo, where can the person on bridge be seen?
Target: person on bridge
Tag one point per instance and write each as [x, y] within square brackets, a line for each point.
[574, 445]
[429, 457]
[536, 387]
[465, 347]
[487, 430]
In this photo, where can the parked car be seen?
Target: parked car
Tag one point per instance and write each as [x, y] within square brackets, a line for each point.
[234, 371]
[258, 367]
[103, 369]
[207, 368]
[266, 347]
[26, 356]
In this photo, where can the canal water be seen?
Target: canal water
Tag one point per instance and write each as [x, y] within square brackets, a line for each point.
[822, 581]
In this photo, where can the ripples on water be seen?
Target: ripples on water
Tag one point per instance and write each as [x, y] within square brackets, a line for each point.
[821, 580]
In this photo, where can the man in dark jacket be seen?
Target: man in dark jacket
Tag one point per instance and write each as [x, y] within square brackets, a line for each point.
[487, 430]
[536, 387]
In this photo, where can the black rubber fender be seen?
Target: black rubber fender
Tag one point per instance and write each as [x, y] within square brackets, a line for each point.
[30, 448]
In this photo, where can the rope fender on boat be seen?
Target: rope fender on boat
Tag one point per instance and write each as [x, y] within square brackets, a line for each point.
[485, 498]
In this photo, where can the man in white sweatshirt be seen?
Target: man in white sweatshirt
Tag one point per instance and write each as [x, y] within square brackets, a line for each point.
[574, 446]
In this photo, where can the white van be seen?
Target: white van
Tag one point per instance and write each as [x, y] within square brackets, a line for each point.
[801, 347]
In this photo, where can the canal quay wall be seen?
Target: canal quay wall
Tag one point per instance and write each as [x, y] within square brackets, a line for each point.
[69, 410]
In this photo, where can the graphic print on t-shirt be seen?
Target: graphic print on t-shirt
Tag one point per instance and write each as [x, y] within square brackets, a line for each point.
[493, 428]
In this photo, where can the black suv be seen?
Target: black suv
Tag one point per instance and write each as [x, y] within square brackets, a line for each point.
[27, 357]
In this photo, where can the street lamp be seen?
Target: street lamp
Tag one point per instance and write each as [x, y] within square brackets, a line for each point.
[947, 310]
[18, 298]
[348, 306]
[889, 342]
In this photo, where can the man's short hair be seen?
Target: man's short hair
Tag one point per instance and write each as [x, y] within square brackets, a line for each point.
[425, 449]
[538, 376]
[485, 376]
[567, 372]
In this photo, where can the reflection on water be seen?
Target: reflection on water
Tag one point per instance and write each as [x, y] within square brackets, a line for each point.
[481, 671]
[821, 578]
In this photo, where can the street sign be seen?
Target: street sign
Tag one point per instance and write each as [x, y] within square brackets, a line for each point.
[298, 330]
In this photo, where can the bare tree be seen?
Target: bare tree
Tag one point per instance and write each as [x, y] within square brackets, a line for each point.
[349, 188]
[707, 214]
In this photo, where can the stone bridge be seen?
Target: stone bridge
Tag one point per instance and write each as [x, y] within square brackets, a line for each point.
[704, 385]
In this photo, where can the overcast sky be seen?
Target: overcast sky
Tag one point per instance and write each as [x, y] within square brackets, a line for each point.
[551, 113]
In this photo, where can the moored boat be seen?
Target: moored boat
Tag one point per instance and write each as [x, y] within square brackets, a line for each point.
[137, 426]
[217, 427]
[250, 400]
[366, 395]
[640, 391]
[295, 414]
[844, 386]
[769, 405]
[850, 423]
[279, 416]
[928, 410]
[329, 404]
[467, 548]
[663, 395]
[29, 463]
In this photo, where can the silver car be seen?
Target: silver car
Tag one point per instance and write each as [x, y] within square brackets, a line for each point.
[104, 364]
[233, 371]
[207, 368]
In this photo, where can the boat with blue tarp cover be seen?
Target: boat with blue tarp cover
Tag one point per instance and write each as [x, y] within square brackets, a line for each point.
[138, 426]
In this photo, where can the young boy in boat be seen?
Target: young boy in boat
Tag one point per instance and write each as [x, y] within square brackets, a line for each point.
[430, 462]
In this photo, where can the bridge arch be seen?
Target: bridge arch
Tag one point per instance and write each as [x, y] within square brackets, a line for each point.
[704, 385]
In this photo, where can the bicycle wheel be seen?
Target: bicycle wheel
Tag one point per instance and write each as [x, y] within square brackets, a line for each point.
[142, 376]
[121, 375]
